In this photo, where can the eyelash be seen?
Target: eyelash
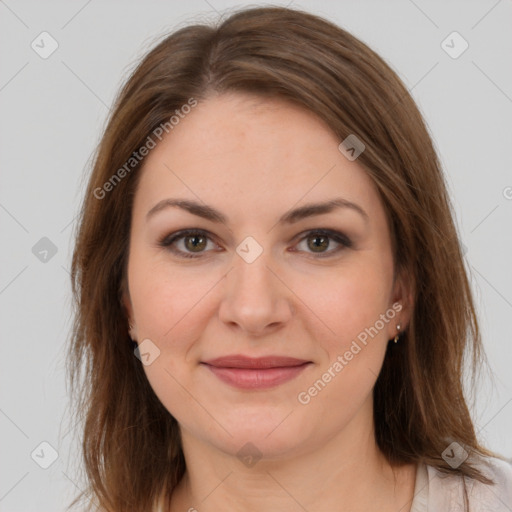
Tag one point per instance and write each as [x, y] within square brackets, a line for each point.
[169, 240]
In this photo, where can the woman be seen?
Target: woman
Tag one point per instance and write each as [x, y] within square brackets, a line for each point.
[268, 222]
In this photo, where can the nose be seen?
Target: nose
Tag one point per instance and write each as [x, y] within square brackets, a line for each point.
[256, 299]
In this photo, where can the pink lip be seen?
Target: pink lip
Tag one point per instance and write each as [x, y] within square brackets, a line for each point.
[256, 373]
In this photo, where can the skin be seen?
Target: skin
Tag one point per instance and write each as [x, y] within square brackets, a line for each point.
[254, 160]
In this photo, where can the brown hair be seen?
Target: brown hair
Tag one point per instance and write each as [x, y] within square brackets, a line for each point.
[131, 444]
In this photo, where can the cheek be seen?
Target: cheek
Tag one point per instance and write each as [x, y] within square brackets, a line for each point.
[350, 299]
[167, 306]
[355, 352]
[160, 296]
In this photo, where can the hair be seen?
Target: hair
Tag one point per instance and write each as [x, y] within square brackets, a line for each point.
[131, 444]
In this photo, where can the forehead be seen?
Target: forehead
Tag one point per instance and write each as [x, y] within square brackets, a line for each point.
[247, 149]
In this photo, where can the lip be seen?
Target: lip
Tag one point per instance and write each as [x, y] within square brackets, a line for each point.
[256, 373]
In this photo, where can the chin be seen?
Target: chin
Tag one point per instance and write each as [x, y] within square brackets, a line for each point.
[269, 432]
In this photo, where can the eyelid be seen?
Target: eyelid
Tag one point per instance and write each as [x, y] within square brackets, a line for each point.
[332, 233]
[182, 233]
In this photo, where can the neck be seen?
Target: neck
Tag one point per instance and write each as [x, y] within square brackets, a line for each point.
[348, 472]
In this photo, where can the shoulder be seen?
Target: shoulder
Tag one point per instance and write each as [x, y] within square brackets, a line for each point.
[446, 492]
[500, 471]
[493, 497]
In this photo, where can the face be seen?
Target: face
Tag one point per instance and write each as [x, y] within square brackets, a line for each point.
[297, 303]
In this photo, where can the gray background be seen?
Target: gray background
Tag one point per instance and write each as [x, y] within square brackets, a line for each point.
[52, 114]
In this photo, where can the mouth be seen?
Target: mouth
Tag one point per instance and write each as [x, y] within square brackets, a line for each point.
[256, 373]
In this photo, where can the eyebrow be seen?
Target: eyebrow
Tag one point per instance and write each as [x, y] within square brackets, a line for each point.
[290, 217]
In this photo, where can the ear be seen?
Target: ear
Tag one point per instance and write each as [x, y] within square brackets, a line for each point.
[402, 302]
[128, 308]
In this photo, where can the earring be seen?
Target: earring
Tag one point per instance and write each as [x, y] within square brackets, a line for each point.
[397, 334]
[134, 342]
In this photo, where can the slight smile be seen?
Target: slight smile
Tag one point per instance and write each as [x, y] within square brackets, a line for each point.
[256, 373]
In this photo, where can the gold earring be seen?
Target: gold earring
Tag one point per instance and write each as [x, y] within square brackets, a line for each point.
[397, 334]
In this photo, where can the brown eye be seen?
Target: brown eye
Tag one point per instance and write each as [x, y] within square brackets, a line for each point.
[318, 242]
[188, 243]
[195, 243]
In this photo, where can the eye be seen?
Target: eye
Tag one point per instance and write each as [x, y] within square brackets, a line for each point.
[192, 243]
[193, 240]
[318, 241]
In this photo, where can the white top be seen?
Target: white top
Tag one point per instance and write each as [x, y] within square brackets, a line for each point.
[435, 491]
